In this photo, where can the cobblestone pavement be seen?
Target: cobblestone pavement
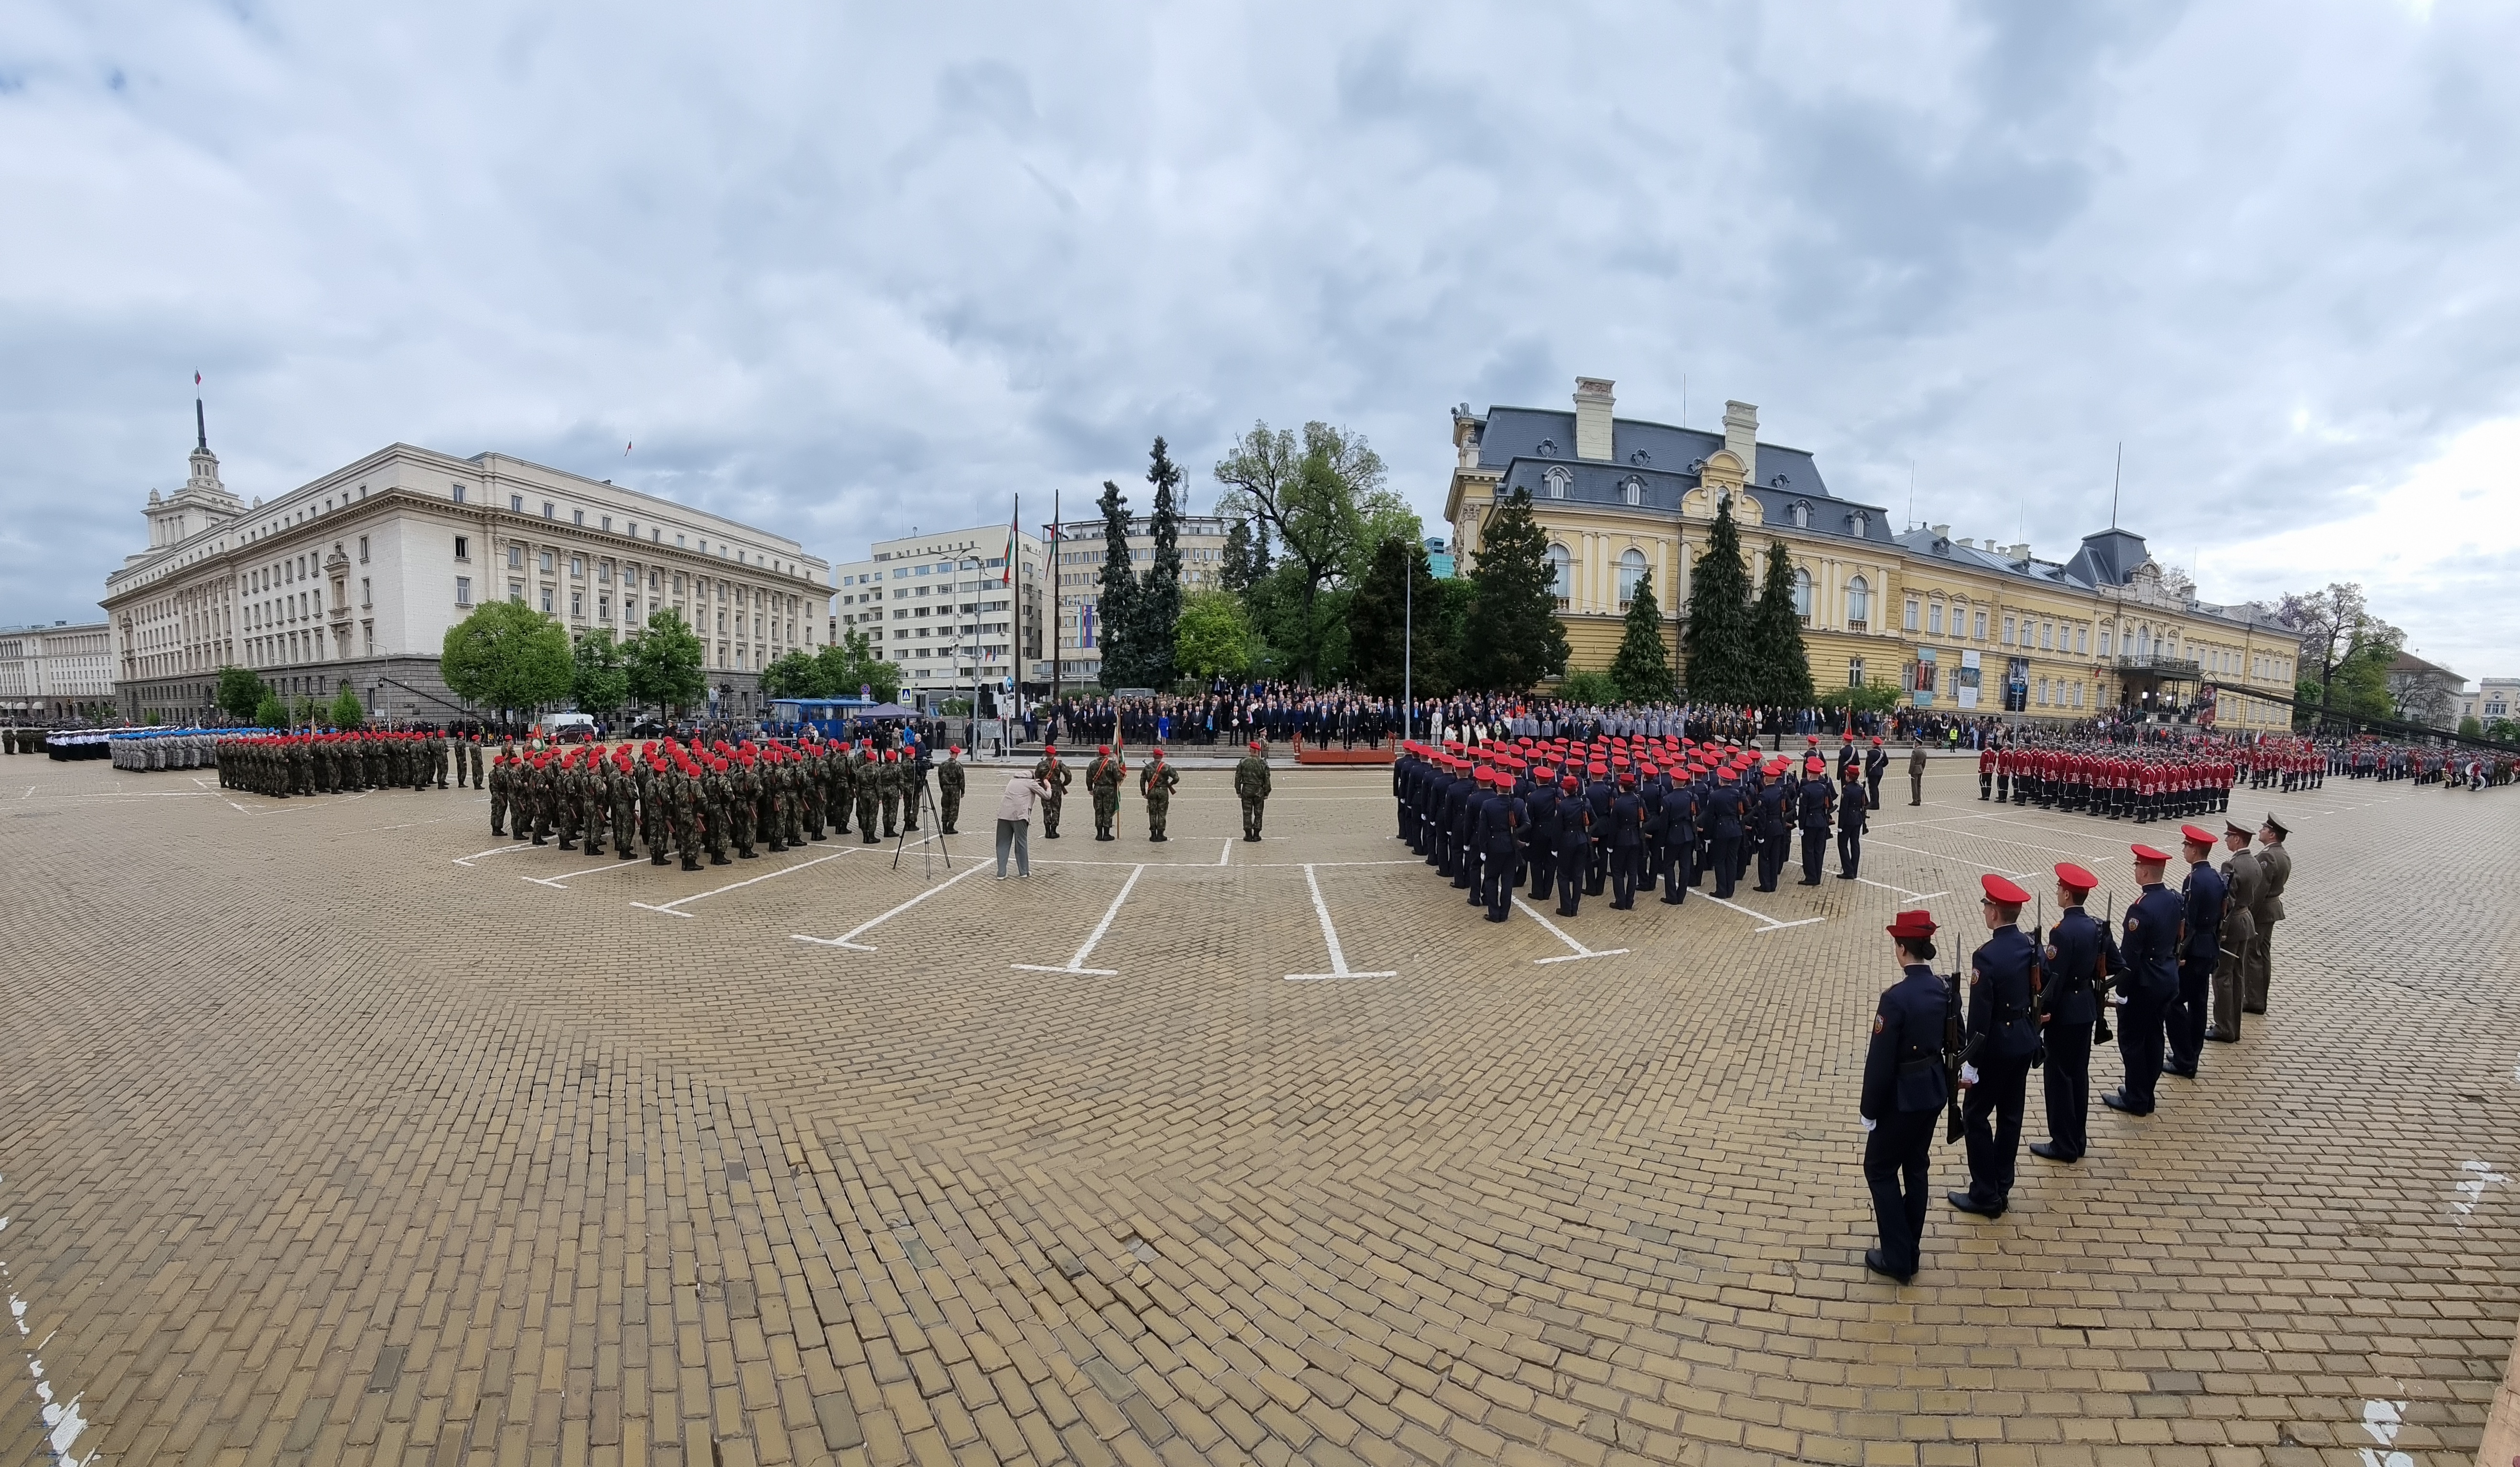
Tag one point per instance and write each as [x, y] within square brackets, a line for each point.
[332, 1129]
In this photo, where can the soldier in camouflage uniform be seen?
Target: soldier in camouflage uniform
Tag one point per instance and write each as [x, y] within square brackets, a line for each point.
[951, 781]
[1157, 782]
[624, 790]
[684, 785]
[714, 798]
[744, 802]
[888, 790]
[870, 775]
[1103, 783]
[655, 802]
[1050, 771]
[842, 787]
[498, 796]
[1251, 787]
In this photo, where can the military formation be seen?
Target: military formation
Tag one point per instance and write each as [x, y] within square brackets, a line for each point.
[2180, 968]
[1628, 813]
[1106, 779]
[281, 765]
[718, 802]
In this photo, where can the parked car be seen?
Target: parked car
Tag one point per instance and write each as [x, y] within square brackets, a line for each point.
[569, 728]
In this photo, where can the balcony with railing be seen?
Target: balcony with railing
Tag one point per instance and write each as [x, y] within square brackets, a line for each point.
[2180, 668]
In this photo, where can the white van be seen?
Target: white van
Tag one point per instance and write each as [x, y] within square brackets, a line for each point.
[566, 728]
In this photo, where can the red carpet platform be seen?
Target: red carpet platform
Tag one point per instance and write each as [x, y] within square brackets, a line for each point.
[1306, 754]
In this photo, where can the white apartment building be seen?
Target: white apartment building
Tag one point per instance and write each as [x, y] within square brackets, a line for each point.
[354, 579]
[55, 672]
[943, 606]
[1081, 554]
[2491, 698]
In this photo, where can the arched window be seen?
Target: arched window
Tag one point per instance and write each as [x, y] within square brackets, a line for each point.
[1803, 588]
[1632, 568]
[1562, 575]
[1557, 479]
[1633, 491]
[1859, 604]
[1801, 514]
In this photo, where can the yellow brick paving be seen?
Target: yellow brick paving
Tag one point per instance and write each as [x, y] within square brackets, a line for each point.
[317, 1146]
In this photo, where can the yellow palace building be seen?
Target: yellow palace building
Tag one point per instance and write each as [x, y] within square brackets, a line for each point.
[1962, 625]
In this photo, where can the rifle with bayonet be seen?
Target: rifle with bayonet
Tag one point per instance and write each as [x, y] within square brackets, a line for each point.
[2104, 973]
[1958, 1055]
[2039, 986]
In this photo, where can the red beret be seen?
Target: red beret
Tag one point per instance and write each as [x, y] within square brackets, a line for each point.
[2143, 853]
[1255, 746]
[1911, 925]
[2001, 889]
[2199, 835]
[1568, 783]
[2071, 875]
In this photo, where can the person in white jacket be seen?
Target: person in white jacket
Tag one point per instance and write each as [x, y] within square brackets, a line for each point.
[1015, 822]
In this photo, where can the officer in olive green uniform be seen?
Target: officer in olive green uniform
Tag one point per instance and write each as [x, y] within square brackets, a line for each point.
[1251, 787]
[1102, 780]
[1050, 771]
[951, 781]
[1157, 782]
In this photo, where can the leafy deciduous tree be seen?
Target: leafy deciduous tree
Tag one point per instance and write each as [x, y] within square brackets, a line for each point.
[507, 657]
[1212, 637]
[1324, 499]
[348, 712]
[599, 680]
[241, 692]
[663, 663]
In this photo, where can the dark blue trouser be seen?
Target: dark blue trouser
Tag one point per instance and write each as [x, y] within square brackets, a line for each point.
[1544, 872]
[2185, 1020]
[1814, 845]
[1627, 862]
[2069, 1086]
[1727, 851]
[1896, 1156]
[2001, 1091]
[1571, 874]
[2139, 1044]
[1497, 883]
[1850, 852]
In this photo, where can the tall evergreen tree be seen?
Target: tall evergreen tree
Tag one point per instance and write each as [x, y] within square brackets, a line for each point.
[1160, 595]
[1115, 606]
[1515, 635]
[1777, 654]
[1641, 669]
[1395, 625]
[1716, 642]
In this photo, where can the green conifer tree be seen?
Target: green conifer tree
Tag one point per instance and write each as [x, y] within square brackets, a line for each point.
[1716, 642]
[1777, 654]
[1115, 606]
[1160, 595]
[1515, 635]
[1641, 669]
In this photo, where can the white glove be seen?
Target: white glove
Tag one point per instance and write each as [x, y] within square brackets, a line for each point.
[1868, 1123]
[1969, 1075]
[2117, 1001]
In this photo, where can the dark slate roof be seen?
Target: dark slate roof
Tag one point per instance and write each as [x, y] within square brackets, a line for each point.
[1524, 443]
[2109, 557]
[1926, 544]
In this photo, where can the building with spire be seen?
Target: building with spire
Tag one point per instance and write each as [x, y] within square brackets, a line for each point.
[354, 579]
[1962, 625]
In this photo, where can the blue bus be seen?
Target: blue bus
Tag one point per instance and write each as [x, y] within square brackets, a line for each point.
[827, 717]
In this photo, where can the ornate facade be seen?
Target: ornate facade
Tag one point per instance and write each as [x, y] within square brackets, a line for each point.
[354, 579]
[1961, 625]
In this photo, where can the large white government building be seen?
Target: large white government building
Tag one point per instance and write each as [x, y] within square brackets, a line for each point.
[353, 580]
[58, 671]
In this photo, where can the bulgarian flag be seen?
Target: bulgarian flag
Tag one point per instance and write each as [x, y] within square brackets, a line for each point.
[1008, 576]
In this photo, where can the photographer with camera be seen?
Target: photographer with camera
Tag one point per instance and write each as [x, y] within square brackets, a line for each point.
[1014, 821]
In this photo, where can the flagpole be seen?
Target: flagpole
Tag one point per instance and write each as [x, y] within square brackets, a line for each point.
[1057, 606]
[1015, 597]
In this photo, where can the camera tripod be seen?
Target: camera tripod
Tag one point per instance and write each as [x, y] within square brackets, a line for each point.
[924, 803]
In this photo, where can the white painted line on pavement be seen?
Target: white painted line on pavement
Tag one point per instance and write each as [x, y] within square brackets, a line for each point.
[1766, 922]
[1902, 890]
[1076, 964]
[1954, 860]
[1581, 951]
[1330, 935]
[560, 883]
[63, 1419]
[843, 940]
[467, 860]
[668, 908]
[1227, 853]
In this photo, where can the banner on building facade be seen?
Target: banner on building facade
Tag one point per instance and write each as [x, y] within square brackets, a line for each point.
[1920, 684]
[1965, 680]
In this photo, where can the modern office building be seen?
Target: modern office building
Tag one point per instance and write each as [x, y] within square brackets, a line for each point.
[1082, 551]
[945, 607]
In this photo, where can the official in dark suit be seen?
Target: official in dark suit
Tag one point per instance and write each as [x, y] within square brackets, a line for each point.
[1904, 1090]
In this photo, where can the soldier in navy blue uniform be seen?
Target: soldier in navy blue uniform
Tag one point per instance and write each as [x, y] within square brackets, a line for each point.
[1679, 839]
[1851, 818]
[1724, 814]
[2071, 999]
[2149, 947]
[1876, 765]
[1904, 1092]
[1774, 830]
[1545, 819]
[1597, 795]
[1574, 844]
[2200, 943]
[1627, 839]
[2002, 1039]
[1814, 803]
[1501, 817]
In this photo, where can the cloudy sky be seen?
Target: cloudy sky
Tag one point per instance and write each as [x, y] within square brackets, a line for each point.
[840, 268]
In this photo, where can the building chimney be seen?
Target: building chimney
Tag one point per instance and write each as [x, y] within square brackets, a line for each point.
[1941, 531]
[1741, 438]
[1593, 403]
